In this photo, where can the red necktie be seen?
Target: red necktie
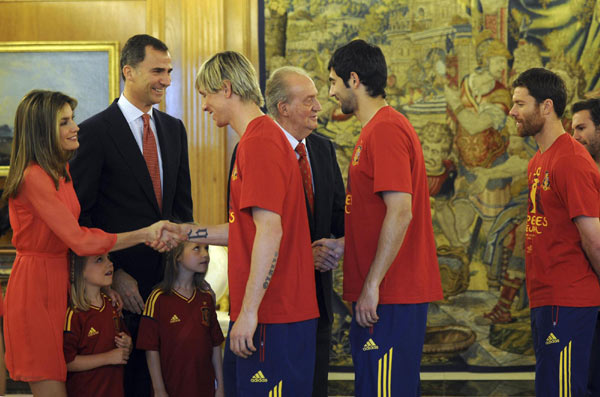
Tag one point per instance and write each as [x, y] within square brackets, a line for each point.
[306, 176]
[151, 156]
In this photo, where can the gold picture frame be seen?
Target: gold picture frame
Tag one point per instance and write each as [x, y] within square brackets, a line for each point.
[86, 70]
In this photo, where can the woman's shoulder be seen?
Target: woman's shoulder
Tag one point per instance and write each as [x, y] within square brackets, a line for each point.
[36, 176]
[34, 170]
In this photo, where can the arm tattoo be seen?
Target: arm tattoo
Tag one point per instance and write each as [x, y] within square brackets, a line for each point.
[199, 233]
[271, 271]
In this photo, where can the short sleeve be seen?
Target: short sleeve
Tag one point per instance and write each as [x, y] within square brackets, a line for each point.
[578, 186]
[148, 333]
[216, 335]
[39, 190]
[71, 335]
[263, 175]
[390, 150]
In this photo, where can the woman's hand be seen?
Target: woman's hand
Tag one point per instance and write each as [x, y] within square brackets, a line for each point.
[165, 235]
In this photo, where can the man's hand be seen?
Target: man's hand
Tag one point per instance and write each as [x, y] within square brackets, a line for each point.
[366, 306]
[324, 258]
[240, 339]
[117, 302]
[327, 253]
[127, 287]
[165, 236]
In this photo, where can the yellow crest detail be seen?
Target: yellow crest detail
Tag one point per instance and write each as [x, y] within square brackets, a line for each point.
[356, 157]
[546, 182]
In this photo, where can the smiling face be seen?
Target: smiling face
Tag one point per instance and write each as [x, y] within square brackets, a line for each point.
[98, 270]
[300, 111]
[586, 133]
[215, 103]
[67, 129]
[343, 94]
[526, 112]
[146, 83]
[194, 258]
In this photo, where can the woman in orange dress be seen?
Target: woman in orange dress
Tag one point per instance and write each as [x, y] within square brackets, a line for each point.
[43, 212]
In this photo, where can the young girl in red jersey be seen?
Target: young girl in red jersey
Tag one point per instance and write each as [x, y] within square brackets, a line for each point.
[96, 342]
[179, 328]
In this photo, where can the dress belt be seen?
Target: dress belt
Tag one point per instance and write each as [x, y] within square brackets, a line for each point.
[61, 255]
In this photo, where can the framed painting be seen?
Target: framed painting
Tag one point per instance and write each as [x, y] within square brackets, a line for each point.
[87, 71]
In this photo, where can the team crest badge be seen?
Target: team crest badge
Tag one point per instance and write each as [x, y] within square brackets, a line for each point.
[205, 316]
[546, 182]
[356, 157]
[234, 173]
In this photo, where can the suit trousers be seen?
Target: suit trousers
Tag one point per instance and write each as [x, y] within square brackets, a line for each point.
[322, 357]
[137, 377]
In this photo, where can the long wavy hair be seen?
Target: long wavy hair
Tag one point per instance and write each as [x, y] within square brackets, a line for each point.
[78, 300]
[37, 138]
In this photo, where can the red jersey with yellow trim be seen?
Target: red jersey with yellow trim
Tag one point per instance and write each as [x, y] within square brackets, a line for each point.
[266, 175]
[564, 183]
[93, 332]
[388, 157]
[184, 332]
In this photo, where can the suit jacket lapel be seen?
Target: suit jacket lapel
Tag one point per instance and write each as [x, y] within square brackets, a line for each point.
[127, 146]
[317, 167]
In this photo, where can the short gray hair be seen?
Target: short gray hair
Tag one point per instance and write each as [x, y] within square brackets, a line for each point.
[277, 88]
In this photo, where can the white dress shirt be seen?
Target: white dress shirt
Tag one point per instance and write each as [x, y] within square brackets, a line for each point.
[133, 115]
[294, 142]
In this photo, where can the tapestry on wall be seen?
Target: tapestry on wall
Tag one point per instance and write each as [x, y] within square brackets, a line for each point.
[441, 55]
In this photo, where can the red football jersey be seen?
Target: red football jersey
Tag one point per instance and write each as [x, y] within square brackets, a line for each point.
[266, 175]
[184, 332]
[388, 157]
[93, 332]
[564, 183]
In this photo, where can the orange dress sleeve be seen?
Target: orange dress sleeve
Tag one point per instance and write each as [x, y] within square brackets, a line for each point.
[59, 210]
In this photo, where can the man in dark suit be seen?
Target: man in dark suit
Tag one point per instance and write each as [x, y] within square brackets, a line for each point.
[132, 169]
[291, 99]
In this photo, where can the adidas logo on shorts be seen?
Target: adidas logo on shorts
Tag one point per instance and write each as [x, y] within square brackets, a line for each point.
[258, 378]
[370, 345]
[92, 332]
[174, 319]
[551, 339]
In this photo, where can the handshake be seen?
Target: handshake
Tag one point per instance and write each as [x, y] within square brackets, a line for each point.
[164, 235]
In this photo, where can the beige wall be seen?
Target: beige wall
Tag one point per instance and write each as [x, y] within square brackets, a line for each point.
[193, 30]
